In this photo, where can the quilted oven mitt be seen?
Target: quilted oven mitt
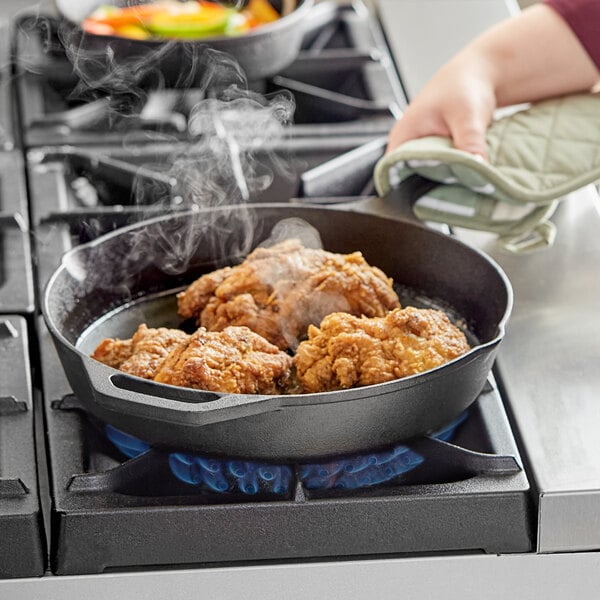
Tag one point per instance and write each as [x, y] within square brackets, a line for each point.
[536, 156]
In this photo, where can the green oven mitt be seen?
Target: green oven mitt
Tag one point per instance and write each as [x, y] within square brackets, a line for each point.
[536, 156]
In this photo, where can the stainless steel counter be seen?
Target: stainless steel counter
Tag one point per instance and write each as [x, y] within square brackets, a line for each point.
[526, 577]
[549, 366]
[549, 359]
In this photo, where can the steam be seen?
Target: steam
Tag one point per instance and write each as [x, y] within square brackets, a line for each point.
[225, 164]
[221, 168]
[294, 228]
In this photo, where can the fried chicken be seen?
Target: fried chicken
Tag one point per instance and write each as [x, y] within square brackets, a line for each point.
[235, 360]
[278, 292]
[348, 351]
[143, 354]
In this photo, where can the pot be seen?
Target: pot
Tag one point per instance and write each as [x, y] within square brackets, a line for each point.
[91, 296]
[260, 53]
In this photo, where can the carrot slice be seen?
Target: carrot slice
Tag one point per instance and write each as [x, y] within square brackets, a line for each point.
[262, 11]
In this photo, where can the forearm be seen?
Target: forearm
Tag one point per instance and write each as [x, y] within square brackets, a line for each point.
[534, 56]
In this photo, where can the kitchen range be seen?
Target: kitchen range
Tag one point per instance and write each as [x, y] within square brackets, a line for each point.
[505, 496]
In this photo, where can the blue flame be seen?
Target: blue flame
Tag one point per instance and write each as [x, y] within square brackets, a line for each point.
[130, 446]
[251, 478]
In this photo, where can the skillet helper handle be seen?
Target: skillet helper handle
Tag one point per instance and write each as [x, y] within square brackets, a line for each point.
[341, 175]
[344, 174]
[146, 399]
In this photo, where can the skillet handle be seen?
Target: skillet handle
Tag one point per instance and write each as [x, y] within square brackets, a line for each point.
[137, 397]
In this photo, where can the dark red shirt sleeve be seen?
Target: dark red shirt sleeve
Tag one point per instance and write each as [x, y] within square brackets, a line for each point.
[583, 16]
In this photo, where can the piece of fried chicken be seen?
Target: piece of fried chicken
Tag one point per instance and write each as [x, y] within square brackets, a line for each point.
[348, 351]
[235, 360]
[143, 354]
[279, 291]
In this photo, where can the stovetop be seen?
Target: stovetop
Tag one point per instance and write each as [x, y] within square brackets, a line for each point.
[342, 83]
[78, 175]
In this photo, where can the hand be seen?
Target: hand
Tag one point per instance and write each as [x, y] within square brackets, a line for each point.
[458, 102]
[527, 58]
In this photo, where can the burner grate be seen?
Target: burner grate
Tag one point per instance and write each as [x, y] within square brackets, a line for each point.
[22, 548]
[16, 274]
[77, 194]
[250, 478]
[138, 507]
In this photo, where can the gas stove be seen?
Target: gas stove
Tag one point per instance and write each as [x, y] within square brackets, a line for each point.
[105, 481]
[77, 194]
[86, 504]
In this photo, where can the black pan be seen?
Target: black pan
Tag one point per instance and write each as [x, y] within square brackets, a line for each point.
[260, 53]
[109, 286]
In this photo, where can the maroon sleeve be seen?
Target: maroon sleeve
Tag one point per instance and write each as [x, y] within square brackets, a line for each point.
[583, 16]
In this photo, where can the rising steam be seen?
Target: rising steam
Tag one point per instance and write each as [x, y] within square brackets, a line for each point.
[229, 127]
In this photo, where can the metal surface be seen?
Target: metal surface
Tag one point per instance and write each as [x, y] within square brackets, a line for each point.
[8, 136]
[468, 577]
[22, 547]
[549, 368]
[16, 273]
[422, 44]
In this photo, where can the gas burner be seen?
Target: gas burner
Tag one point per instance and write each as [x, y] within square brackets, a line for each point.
[426, 509]
[248, 477]
[343, 83]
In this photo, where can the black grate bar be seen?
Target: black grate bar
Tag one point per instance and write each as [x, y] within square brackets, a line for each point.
[13, 220]
[450, 458]
[12, 488]
[10, 405]
[358, 105]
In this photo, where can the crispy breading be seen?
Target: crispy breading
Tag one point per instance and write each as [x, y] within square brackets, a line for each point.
[113, 351]
[200, 292]
[235, 360]
[279, 291]
[143, 354]
[348, 351]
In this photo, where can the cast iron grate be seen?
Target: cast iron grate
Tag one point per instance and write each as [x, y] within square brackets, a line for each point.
[22, 548]
[16, 273]
[78, 194]
[441, 460]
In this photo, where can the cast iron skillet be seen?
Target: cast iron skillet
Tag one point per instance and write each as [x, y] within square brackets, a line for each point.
[260, 53]
[111, 285]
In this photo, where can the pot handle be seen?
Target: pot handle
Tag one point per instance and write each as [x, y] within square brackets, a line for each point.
[124, 393]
